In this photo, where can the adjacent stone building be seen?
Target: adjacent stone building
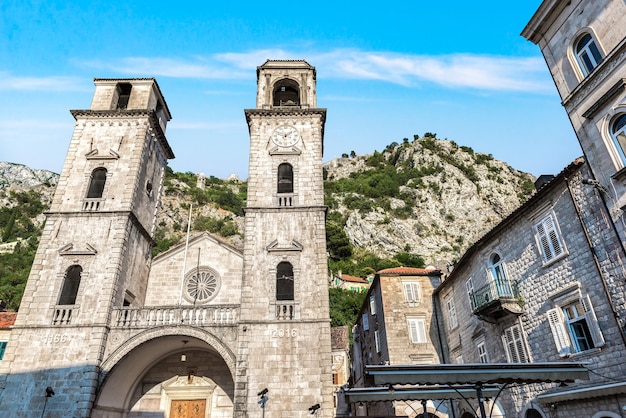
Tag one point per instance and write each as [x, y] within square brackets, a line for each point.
[542, 286]
[205, 329]
[396, 325]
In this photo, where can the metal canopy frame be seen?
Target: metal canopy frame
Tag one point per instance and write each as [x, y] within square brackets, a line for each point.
[417, 393]
[449, 381]
[481, 373]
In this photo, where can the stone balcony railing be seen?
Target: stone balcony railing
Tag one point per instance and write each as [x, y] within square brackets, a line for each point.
[93, 204]
[154, 316]
[286, 310]
[285, 199]
[62, 314]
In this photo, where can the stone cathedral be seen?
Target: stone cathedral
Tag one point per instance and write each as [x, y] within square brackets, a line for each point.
[204, 329]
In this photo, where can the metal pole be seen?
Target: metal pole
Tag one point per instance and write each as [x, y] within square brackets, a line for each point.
[481, 405]
[424, 403]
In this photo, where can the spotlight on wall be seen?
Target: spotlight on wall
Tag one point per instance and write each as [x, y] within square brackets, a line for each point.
[314, 408]
[49, 392]
[183, 356]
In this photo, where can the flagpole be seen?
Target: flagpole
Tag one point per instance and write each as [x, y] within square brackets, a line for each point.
[182, 281]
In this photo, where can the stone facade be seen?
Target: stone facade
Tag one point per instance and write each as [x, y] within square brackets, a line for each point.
[511, 294]
[114, 333]
[396, 325]
[284, 318]
[584, 45]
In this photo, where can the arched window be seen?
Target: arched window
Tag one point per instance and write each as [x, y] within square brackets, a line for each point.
[285, 178]
[618, 133]
[96, 183]
[286, 93]
[71, 282]
[284, 281]
[587, 54]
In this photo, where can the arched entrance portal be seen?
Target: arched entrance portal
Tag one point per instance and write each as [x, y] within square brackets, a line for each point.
[174, 376]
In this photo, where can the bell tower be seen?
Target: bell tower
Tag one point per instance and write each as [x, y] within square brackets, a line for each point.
[94, 253]
[284, 334]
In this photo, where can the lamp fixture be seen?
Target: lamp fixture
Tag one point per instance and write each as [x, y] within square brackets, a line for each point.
[314, 409]
[183, 356]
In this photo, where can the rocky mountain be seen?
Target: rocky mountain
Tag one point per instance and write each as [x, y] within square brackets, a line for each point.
[428, 196]
[19, 175]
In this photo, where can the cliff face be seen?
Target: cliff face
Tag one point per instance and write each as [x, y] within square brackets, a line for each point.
[19, 175]
[447, 197]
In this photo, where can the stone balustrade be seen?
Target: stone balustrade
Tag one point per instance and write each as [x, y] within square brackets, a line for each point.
[153, 316]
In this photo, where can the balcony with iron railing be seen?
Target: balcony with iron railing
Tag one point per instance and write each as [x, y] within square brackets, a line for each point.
[496, 299]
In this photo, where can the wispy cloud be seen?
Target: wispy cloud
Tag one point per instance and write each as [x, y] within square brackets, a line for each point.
[196, 67]
[454, 71]
[46, 83]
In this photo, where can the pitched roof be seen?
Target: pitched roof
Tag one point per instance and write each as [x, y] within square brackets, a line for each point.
[409, 271]
[7, 319]
[348, 278]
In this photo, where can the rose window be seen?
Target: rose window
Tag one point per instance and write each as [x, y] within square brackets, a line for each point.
[201, 286]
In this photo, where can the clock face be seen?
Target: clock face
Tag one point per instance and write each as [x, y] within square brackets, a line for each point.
[285, 136]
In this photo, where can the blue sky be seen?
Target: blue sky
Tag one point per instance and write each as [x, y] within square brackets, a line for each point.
[385, 71]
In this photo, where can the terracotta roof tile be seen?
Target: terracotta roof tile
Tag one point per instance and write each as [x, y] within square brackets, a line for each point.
[408, 271]
[348, 278]
[7, 319]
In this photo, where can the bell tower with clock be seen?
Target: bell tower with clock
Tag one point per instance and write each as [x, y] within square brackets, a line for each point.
[284, 334]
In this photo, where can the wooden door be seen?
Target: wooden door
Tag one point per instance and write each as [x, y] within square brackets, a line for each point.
[188, 409]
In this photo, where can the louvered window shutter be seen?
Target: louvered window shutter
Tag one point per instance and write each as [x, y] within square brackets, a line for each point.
[417, 331]
[519, 345]
[411, 291]
[515, 345]
[592, 322]
[510, 345]
[549, 239]
[559, 333]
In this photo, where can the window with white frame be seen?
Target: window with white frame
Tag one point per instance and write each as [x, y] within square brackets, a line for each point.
[514, 344]
[618, 134]
[549, 239]
[373, 305]
[377, 340]
[452, 322]
[575, 327]
[481, 350]
[411, 292]
[417, 330]
[588, 54]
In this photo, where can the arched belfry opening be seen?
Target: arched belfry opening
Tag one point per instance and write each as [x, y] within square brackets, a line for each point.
[286, 93]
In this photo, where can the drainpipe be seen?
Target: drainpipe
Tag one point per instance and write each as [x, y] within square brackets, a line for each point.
[435, 304]
[596, 261]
